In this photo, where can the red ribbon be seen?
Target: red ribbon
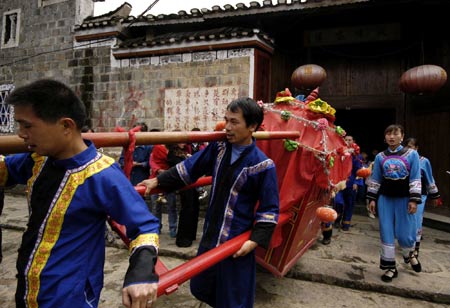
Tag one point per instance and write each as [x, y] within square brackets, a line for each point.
[129, 149]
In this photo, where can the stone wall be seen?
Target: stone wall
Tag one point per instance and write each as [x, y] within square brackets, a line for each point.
[46, 41]
[129, 90]
[116, 92]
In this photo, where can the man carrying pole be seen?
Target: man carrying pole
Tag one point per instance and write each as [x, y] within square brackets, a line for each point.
[244, 196]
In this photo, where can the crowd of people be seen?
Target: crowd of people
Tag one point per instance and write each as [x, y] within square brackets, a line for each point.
[69, 182]
[73, 190]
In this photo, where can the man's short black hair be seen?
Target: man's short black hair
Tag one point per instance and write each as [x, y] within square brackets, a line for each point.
[50, 100]
[252, 112]
[143, 125]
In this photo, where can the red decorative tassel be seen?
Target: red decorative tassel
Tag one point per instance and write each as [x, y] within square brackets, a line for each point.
[313, 95]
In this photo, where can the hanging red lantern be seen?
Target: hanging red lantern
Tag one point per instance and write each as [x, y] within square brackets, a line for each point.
[326, 214]
[423, 79]
[308, 76]
[363, 172]
[220, 126]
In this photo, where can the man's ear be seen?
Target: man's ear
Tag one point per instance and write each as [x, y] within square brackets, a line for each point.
[68, 123]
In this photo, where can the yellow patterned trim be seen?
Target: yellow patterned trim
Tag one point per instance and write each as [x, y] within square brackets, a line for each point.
[149, 239]
[3, 172]
[54, 222]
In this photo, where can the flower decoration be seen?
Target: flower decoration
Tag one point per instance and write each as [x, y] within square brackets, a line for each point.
[340, 131]
[290, 145]
[286, 115]
[322, 123]
[356, 148]
[320, 106]
[284, 97]
[330, 160]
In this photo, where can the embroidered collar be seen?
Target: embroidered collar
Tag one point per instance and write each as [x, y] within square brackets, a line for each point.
[79, 159]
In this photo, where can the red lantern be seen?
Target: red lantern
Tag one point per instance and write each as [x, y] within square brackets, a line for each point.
[363, 172]
[308, 76]
[220, 126]
[422, 79]
[326, 214]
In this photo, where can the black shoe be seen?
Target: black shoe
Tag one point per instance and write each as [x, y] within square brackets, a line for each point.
[326, 241]
[183, 243]
[415, 264]
[345, 227]
[389, 275]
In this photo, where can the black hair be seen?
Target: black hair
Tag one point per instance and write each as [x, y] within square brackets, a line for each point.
[144, 127]
[393, 128]
[251, 111]
[50, 101]
[413, 141]
[86, 128]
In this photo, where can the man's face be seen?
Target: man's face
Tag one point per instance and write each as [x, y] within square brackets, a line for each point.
[349, 140]
[237, 131]
[46, 139]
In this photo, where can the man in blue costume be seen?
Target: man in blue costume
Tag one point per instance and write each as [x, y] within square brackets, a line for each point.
[141, 156]
[71, 190]
[348, 195]
[244, 196]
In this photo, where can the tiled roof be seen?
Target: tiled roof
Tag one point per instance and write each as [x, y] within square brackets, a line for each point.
[216, 25]
[215, 12]
[228, 10]
[109, 19]
[196, 36]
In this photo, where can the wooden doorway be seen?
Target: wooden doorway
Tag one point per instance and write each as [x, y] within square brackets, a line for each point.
[366, 126]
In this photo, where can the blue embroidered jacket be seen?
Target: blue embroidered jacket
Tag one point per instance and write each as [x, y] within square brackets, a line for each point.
[61, 258]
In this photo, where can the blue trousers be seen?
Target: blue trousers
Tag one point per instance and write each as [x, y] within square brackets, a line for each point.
[344, 205]
[171, 210]
[230, 283]
[419, 220]
[395, 223]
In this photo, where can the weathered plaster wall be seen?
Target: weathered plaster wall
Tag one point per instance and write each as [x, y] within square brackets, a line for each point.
[135, 89]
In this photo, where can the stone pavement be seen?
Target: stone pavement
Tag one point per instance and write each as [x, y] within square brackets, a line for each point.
[351, 260]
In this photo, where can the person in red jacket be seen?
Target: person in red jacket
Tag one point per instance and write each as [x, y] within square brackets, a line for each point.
[159, 164]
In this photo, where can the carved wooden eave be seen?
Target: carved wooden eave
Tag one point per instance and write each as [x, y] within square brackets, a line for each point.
[105, 26]
[122, 11]
[99, 34]
[186, 46]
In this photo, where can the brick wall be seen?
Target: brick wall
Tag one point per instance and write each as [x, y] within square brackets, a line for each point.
[45, 43]
[116, 92]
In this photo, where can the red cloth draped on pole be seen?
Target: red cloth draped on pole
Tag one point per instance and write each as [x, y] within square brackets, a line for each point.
[129, 149]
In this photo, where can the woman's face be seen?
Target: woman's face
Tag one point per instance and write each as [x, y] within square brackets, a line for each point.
[411, 145]
[394, 138]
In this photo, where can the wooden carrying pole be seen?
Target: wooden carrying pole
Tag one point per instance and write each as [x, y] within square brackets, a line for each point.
[14, 144]
[169, 281]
